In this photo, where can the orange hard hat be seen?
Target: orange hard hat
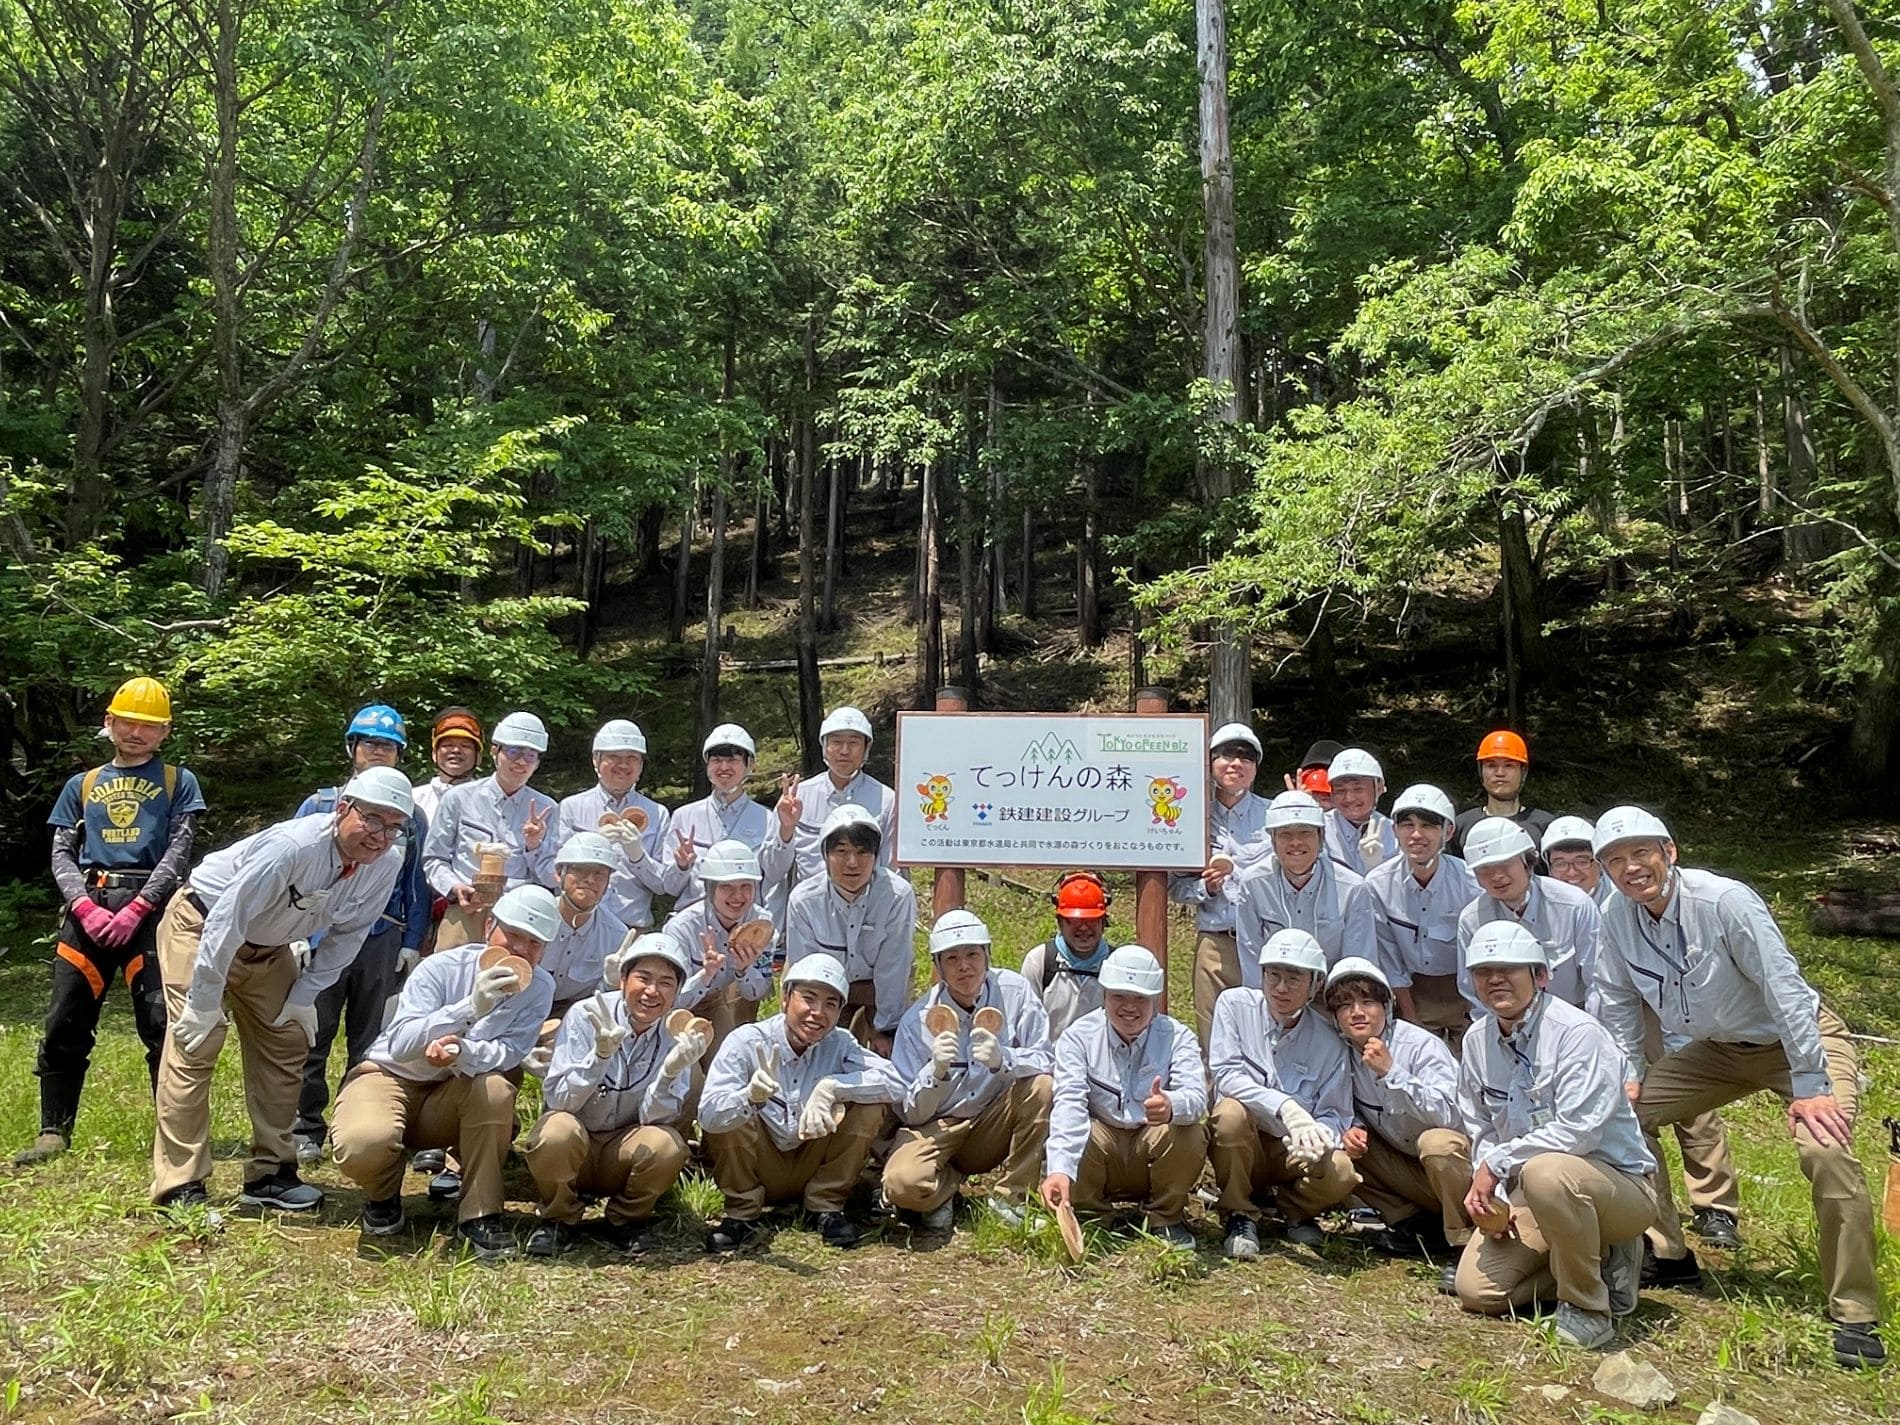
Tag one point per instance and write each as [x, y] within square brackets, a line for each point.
[1082, 895]
[1507, 745]
[456, 722]
[1315, 780]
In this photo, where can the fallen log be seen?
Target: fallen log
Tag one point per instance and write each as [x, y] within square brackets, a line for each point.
[1849, 912]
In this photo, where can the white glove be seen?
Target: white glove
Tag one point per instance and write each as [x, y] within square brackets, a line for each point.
[764, 1081]
[537, 1059]
[1371, 844]
[815, 1121]
[1306, 1141]
[193, 1026]
[986, 1049]
[626, 836]
[608, 1035]
[303, 1016]
[687, 1051]
[300, 952]
[610, 969]
[943, 1052]
[492, 986]
[408, 958]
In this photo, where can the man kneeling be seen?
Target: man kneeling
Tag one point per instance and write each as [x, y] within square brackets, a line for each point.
[614, 1092]
[975, 1059]
[442, 1074]
[1130, 1094]
[1563, 1188]
[790, 1108]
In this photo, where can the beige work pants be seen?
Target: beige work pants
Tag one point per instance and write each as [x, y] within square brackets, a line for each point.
[631, 1167]
[1250, 1163]
[1567, 1212]
[930, 1162]
[1708, 1172]
[1156, 1165]
[1441, 1009]
[1216, 968]
[381, 1116]
[753, 1171]
[1396, 1184]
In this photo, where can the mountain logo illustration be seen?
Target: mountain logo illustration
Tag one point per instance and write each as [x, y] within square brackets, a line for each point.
[1051, 749]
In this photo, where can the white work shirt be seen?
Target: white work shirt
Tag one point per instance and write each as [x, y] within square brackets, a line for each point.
[1260, 1063]
[1066, 992]
[435, 1001]
[969, 1088]
[1554, 1086]
[287, 882]
[1334, 907]
[635, 882]
[800, 859]
[480, 811]
[1239, 832]
[1100, 1075]
[1343, 838]
[1566, 923]
[577, 954]
[428, 795]
[617, 1092]
[1418, 925]
[874, 935]
[1418, 1093]
[1715, 966]
[861, 1077]
[684, 928]
[709, 821]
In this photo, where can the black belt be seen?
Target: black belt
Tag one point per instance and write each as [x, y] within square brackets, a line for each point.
[197, 903]
[116, 880]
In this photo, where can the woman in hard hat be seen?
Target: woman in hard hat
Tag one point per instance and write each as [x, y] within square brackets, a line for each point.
[725, 813]
[1503, 762]
[616, 1093]
[455, 747]
[1564, 919]
[1562, 1185]
[1130, 1096]
[1284, 1100]
[443, 1073]
[792, 852]
[1358, 835]
[724, 982]
[1421, 892]
[226, 944]
[790, 1108]
[1300, 888]
[500, 808]
[976, 1098]
[1064, 972]
[375, 737]
[122, 836]
[1705, 954]
[656, 859]
[588, 932]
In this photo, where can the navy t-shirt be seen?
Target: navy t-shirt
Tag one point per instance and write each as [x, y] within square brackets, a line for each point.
[127, 817]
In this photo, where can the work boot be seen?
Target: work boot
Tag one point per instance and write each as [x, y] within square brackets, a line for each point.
[1241, 1241]
[383, 1217]
[1684, 1272]
[838, 1231]
[1417, 1236]
[1448, 1279]
[1717, 1228]
[1857, 1346]
[550, 1239]
[486, 1237]
[1005, 1210]
[309, 1150]
[47, 1146]
[429, 1160]
[1586, 1330]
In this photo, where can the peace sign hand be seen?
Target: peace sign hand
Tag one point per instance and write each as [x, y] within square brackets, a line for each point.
[790, 805]
[684, 853]
[711, 959]
[535, 826]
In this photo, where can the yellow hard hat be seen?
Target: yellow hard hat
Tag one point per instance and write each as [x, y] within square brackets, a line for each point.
[141, 700]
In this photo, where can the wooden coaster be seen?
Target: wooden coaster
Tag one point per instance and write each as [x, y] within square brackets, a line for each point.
[549, 1028]
[1071, 1232]
[940, 1019]
[989, 1017]
[1223, 863]
[635, 818]
[753, 935]
[678, 1022]
[498, 955]
[702, 1027]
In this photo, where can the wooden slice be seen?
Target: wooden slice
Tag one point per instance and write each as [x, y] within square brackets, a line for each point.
[635, 818]
[700, 1026]
[1222, 863]
[549, 1028]
[1071, 1232]
[491, 956]
[678, 1022]
[940, 1019]
[753, 935]
[608, 818]
[521, 970]
[989, 1017]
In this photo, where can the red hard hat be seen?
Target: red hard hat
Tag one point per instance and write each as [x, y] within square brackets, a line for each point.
[1507, 745]
[1315, 780]
[1081, 895]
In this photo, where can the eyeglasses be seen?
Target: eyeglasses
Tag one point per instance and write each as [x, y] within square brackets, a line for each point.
[379, 826]
[518, 754]
[1289, 979]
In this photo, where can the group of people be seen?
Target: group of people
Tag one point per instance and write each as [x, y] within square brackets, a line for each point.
[1467, 1025]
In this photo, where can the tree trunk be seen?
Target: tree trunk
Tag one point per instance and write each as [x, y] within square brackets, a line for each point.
[1523, 626]
[1088, 555]
[991, 575]
[1026, 589]
[930, 592]
[810, 695]
[834, 544]
[1801, 543]
[587, 588]
[716, 568]
[683, 566]
[646, 554]
[1876, 710]
[220, 492]
[969, 588]
[1764, 460]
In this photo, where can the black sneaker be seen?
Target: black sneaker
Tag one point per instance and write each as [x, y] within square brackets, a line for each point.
[486, 1238]
[185, 1197]
[1448, 1278]
[629, 1237]
[282, 1191]
[838, 1230]
[1857, 1346]
[42, 1149]
[1415, 1237]
[1717, 1228]
[1684, 1272]
[550, 1239]
[1241, 1240]
[732, 1234]
[445, 1186]
[383, 1218]
[429, 1160]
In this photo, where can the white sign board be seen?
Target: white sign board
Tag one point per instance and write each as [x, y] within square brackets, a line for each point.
[1048, 789]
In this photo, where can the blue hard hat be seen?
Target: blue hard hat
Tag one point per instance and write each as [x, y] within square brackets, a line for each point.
[380, 721]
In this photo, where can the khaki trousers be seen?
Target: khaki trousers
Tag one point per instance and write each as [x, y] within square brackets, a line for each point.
[380, 1116]
[1706, 1075]
[1567, 1212]
[1397, 1185]
[929, 1163]
[725, 1010]
[1708, 1172]
[1248, 1161]
[1156, 1165]
[860, 1011]
[1440, 1008]
[1216, 968]
[631, 1167]
[462, 927]
[753, 1171]
[273, 1057]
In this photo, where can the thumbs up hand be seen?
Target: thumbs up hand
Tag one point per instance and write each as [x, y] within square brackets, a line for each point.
[1158, 1107]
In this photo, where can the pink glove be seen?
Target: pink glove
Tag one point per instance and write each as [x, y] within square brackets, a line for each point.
[94, 919]
[126, 923]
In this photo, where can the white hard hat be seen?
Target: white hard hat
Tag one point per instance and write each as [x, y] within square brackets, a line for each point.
[1295, 948]
[1505, 942]
[654, 945]
[729, 734]
[956, 928]
[846, 719]
[1495, 840]
[1355, 762]
[1294, 809]
[1567, 829]
[521, 729]
[383, 787]
[1358, 967]
[619, 735]
[1426, 798]
[848, 815]
[729, 861]
[818, 970]
[1235, 732]
[1133, 969]
[587, 848]
[531, 910]
[1627, 824]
